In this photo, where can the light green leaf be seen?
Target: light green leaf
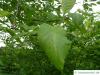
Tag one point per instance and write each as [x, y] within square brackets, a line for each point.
[53, 41]
[4, 13]
[66, 5]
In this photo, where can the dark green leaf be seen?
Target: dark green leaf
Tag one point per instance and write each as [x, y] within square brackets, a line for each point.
[77, 18]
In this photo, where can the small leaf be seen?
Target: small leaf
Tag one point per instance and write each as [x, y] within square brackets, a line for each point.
[66, 5]
[53, 41]
[77, 18]
[11, 32]
[4, 13]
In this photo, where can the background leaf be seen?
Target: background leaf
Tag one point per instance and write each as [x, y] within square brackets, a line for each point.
[77, 18]
[4, 13]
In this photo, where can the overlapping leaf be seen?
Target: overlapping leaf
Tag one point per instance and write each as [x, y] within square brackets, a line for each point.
[53, 41]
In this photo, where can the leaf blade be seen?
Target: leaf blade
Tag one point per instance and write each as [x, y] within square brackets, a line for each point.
[53, 41]
[66, 5]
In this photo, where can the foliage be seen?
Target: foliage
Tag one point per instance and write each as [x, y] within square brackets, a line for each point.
[66, 5]
[35, 32]
[55, 44]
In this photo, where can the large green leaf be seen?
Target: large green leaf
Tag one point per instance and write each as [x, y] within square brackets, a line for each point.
[53, 41]
[66, 5]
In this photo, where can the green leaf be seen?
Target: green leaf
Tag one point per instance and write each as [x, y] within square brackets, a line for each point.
[77, 18]
[4, 13]
[66, 5]
[11, 32]
[53, 41]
